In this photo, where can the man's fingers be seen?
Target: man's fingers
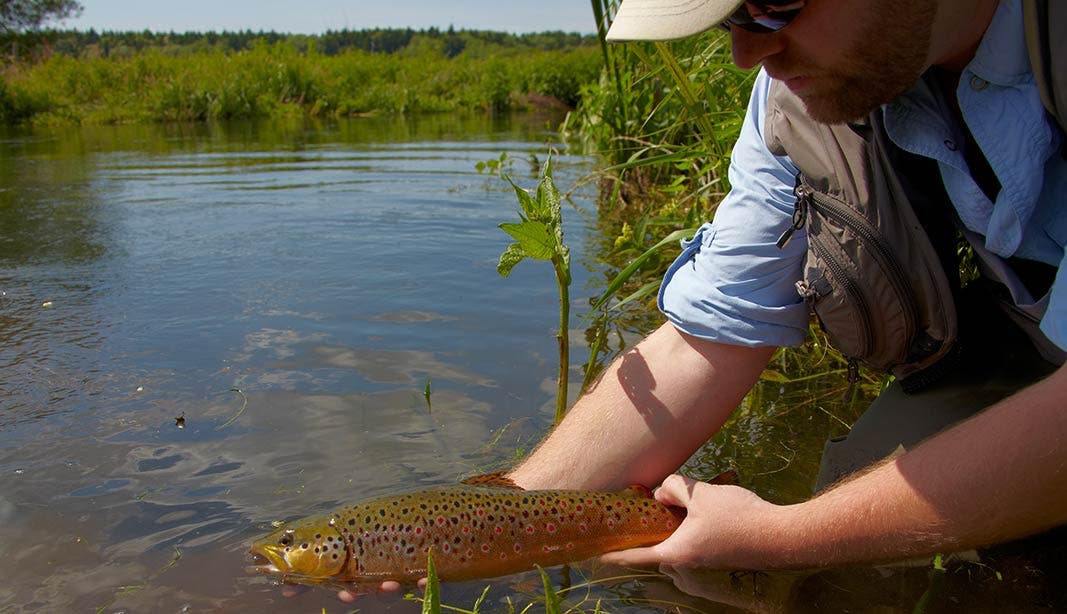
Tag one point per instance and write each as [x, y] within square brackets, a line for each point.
[634, 557]
[350, 596]
[675, 491]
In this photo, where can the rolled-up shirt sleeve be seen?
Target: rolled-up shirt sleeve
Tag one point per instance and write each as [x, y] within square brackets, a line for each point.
[732, 283]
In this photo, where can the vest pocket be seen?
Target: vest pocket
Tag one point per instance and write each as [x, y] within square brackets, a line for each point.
[854, 283]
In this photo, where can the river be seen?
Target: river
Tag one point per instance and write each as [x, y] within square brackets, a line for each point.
[208, 329]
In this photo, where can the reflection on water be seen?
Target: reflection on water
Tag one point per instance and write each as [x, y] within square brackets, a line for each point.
[327, 272]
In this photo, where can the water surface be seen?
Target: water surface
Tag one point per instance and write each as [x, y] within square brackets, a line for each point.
[206, 329]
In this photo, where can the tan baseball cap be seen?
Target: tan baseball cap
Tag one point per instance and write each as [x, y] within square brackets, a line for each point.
[667, 19]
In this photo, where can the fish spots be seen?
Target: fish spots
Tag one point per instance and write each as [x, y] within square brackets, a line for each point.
[551, 528]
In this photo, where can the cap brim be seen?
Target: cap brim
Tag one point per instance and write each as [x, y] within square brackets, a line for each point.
[654, 20]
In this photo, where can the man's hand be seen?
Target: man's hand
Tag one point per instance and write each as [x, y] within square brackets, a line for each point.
[723, 524]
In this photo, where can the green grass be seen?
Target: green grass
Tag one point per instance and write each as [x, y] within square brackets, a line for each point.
[277, 80]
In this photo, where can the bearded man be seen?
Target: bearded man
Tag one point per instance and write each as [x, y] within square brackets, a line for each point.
[933, 105]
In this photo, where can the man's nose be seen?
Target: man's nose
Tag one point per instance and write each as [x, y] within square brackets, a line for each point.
[751, 48]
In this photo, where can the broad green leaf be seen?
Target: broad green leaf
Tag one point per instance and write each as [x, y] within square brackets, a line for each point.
[534, 237]
[530, 206]
[548, 197]
[513, 255]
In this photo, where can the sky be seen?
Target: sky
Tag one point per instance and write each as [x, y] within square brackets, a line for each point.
[317, 16]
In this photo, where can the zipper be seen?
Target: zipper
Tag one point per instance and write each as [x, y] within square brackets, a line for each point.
[852, 291]
[800, 215]
[862, 227]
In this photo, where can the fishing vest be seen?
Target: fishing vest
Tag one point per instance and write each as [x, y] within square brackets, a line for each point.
[880, 272]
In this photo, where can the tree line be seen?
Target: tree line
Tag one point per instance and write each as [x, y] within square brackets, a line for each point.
[451, 42]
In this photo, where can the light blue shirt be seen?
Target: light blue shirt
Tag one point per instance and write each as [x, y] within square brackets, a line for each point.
[732, 284]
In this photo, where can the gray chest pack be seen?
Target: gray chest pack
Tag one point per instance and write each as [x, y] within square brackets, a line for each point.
[872, 274]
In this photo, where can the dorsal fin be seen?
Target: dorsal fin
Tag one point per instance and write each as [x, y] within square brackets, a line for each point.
[497, 478]
[639, 490]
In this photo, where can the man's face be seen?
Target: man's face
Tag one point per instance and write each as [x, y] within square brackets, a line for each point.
[844, 58]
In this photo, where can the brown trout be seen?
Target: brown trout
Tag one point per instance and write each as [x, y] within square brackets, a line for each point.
[479, 528]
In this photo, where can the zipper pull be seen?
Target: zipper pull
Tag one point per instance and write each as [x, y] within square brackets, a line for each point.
[853, 377]
[800, 214]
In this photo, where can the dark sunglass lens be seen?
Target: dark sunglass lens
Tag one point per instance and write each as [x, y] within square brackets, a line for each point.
[758, 17]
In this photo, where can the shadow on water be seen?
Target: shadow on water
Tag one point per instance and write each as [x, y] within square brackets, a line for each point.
[326, 271]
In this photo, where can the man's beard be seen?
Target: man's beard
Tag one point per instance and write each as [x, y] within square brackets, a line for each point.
[889, 56]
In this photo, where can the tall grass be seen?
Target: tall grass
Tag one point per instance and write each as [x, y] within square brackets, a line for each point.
[278, 80]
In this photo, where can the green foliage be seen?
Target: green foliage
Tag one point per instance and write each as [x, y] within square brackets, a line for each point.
[22, 15]
[274, 80]
[431, 600]
[539, 235]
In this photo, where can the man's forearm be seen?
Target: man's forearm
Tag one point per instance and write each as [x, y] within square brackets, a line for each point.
[653, 407]
[998, 476]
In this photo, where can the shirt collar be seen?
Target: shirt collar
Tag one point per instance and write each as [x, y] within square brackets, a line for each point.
[1001, 57]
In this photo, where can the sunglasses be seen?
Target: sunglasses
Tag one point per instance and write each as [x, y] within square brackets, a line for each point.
[764, 17]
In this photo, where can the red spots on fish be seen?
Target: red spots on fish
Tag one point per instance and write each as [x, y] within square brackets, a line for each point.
[551, 528]
[570, 545]
[441, 521]
[446, 548]
[485, 547]
[518, 548]
[530, 529]
[498, 529]
[418, 530]
[466, 530]
[582, 527]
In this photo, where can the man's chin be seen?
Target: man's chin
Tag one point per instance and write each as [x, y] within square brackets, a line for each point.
[829, 109]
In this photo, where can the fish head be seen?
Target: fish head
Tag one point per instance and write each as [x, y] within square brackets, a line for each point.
[312, 547]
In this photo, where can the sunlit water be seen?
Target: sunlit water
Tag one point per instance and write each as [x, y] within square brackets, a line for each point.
[207, 329]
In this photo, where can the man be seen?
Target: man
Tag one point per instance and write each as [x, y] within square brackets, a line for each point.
[730, 299]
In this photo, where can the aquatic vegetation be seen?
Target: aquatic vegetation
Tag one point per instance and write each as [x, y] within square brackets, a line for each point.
[540, 236]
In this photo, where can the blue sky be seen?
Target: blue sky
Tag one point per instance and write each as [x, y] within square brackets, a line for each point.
[316, 16]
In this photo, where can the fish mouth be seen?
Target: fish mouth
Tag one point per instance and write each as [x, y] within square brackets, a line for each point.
[266, 561]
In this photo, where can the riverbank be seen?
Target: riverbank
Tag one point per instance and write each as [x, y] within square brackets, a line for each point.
[278, 80]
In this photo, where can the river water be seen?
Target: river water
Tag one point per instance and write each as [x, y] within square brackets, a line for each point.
[207, 329]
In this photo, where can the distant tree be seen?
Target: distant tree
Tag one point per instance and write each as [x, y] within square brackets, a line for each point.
[22, 15]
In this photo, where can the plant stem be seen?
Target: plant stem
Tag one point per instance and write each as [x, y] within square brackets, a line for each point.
[563, 336]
